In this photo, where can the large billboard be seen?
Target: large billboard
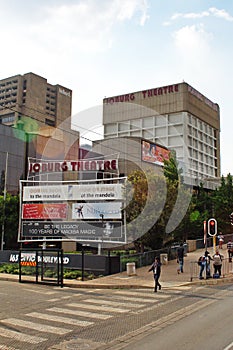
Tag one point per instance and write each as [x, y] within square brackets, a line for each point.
[73, 192]
[92, 210]
[80, 231]
[153, 153]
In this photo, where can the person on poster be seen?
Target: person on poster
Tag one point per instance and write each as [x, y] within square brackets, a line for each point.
[79, 210]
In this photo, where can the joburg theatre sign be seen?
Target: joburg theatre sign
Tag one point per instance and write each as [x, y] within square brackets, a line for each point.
[80, 165]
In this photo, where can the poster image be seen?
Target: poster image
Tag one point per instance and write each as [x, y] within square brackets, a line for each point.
[152, 153]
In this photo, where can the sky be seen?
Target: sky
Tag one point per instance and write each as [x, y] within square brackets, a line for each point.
[100, 48]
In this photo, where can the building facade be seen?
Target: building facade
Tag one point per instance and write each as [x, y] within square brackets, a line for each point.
[35, 121]
[177, 117]
[32, 96]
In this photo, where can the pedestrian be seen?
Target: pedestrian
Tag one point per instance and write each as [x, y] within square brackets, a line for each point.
[220, 240]
[180, 258]
[217, 257]
[230, 249]
[204, 263]
[156, 268]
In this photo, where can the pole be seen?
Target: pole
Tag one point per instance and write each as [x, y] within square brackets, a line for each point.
[214, 244]
[4, 205]
[82, 263]
[205, 235]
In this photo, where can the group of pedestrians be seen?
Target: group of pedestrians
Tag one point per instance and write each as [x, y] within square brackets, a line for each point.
[204, 263]
[205, 260]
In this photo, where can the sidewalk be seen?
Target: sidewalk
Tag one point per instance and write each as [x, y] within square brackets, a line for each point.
[144, 279]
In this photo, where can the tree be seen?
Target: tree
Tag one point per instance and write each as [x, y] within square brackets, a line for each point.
[171, 170]
[156, 208]
[223, 203]
[11, 220]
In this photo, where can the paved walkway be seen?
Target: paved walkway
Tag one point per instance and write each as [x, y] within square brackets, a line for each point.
[144, 279]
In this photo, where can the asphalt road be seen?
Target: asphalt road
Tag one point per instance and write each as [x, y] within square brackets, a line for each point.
[47, 317]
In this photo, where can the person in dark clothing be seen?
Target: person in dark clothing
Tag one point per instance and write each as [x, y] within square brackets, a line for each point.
[180, 258]
[156, 268]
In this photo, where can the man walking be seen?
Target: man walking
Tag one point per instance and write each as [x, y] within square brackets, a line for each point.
[180, 258]
[156, 268]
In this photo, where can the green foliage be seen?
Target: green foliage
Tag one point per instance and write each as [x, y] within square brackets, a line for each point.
[125, 260]
[11, 219]
[171, 170]
[49, 273]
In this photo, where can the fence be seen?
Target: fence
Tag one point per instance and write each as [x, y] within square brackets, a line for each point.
[227, 269]
[147, 258]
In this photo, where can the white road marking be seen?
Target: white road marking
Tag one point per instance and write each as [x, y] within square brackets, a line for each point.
[66, 320]
[147, 297]
[80, 313]
[124, 298]
[113, 303]
[96, 307]
[19, 336]
[36, 326]
[40, 291]
[230, 346]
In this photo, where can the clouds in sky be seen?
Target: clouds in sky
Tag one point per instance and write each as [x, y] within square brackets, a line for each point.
[212, 11]
[102, 48]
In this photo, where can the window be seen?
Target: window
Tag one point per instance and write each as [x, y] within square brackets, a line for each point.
[49, 122]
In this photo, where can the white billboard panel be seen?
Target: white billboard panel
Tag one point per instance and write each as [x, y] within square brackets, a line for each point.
[73, 192]
[109, 210]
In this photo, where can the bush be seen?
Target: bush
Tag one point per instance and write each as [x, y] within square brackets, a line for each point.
[29, 270]
[126, 260]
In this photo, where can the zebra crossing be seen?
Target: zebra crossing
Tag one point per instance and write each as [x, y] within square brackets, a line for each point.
[36, 327]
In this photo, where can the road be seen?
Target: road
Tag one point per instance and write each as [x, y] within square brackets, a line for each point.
[47, 317]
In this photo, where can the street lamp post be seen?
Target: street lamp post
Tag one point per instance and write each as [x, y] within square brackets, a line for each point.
[4, 205]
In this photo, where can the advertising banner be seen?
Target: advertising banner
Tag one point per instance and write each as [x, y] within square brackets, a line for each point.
[73, 192]
[44, 211]
[88, 231]
[107, 210]
[153, 153]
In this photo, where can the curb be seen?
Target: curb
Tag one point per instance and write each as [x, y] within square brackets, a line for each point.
[66, 283]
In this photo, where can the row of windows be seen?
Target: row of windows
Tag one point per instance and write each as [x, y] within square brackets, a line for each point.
[4, 91]
[8, 118]
[52, 90]
[8, 83]
[200, 125]
[147, 122]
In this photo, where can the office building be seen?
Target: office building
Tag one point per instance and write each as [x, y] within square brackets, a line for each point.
[35, 120]
[32, 96]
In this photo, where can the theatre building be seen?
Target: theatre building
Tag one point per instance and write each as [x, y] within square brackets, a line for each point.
[176, 117]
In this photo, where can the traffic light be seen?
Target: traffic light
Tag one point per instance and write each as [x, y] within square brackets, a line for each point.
[212, 227]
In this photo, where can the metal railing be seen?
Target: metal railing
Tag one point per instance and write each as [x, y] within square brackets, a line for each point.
[227, 269]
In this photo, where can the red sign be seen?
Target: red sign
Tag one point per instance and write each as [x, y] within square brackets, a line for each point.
[84, 165]
[144, 94]
[44, 211]
[153, 153]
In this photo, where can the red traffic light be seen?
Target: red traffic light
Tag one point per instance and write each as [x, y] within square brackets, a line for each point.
[212, 227]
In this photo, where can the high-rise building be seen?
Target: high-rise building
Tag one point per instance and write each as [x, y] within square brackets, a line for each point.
[35, 122]
[177, 117]
[32, 96]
